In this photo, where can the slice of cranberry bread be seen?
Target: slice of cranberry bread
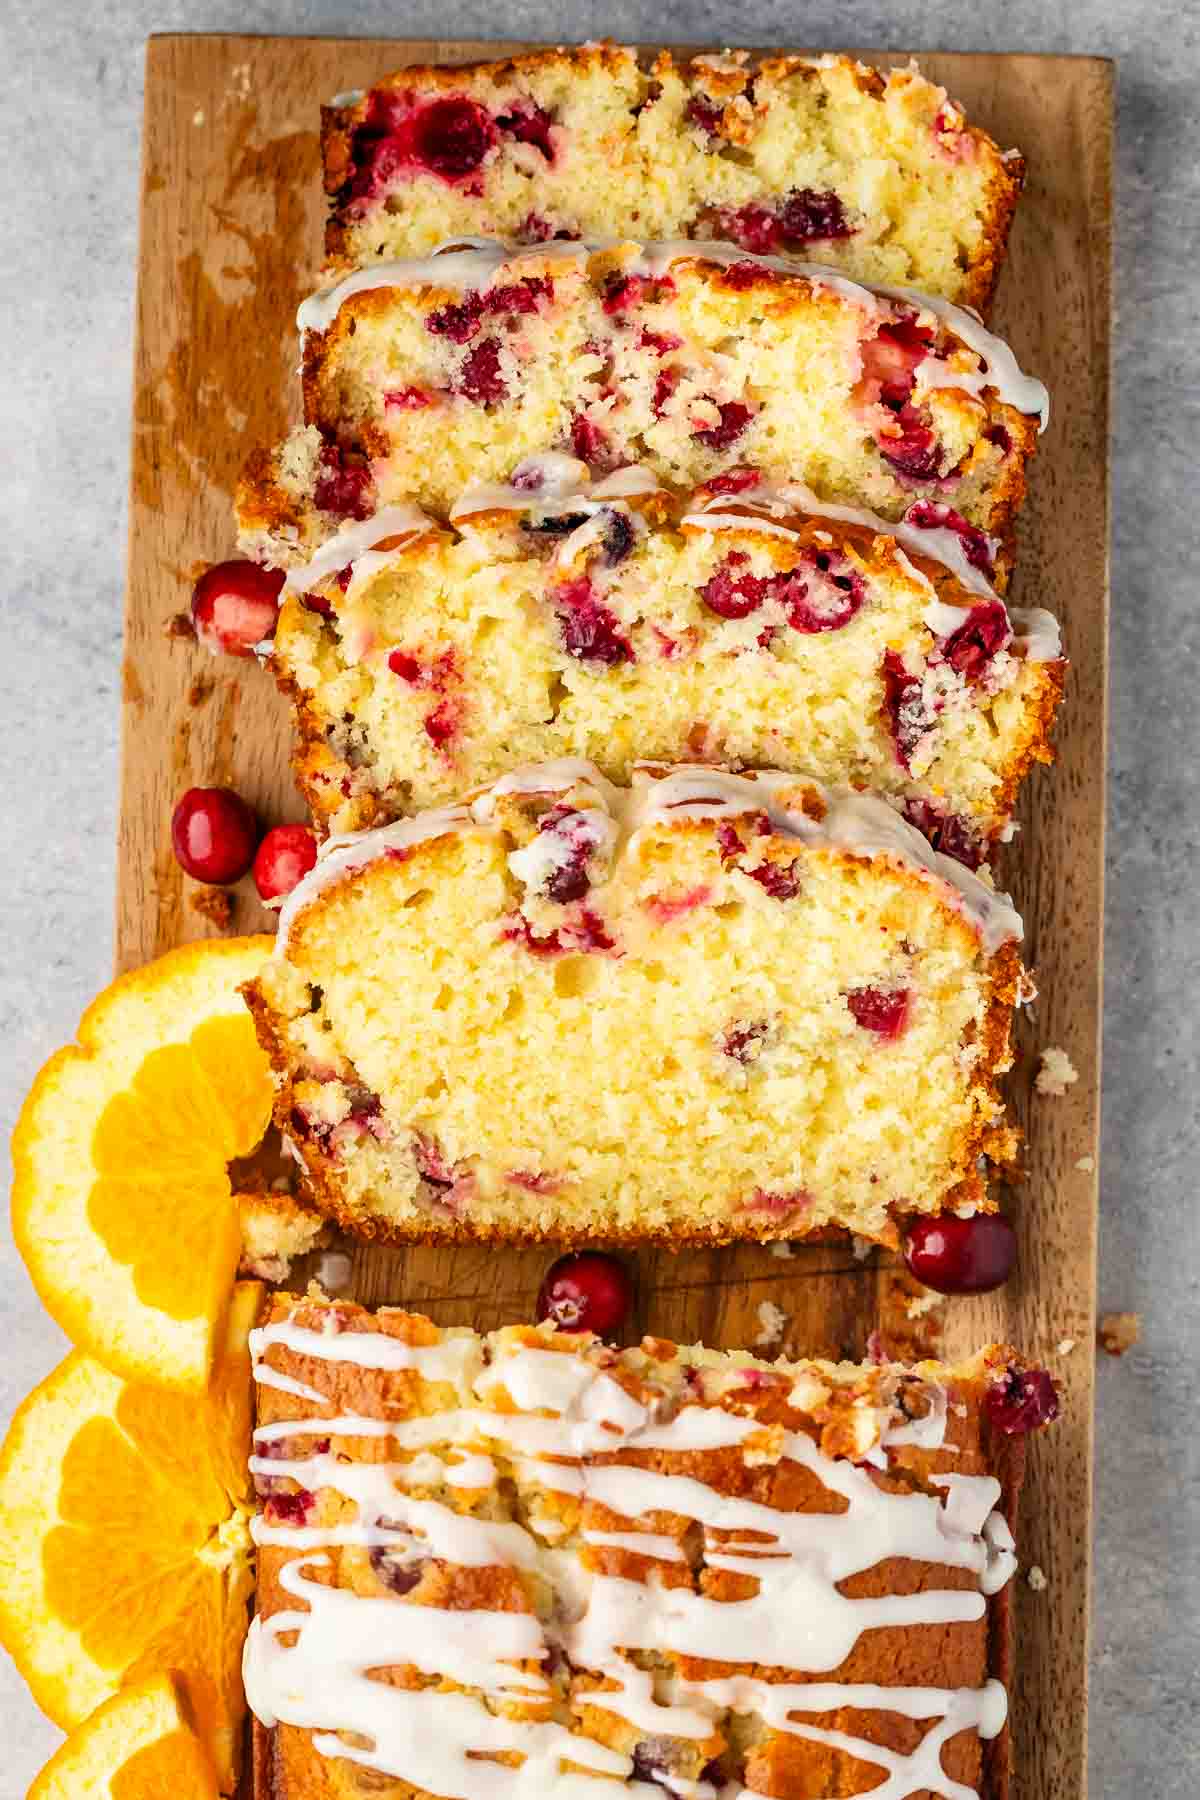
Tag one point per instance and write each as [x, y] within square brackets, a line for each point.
[879, 175]
[747, 625]
[422, 378]
[707, 1008]
[659, 1567]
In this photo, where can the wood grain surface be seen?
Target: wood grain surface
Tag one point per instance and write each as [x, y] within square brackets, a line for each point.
[231, 232]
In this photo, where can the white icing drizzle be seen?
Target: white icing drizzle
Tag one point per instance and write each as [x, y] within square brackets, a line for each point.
[442, 1740]
[452, 1359]
[565, 485]
[477, 265]
[353, 540]
[860, 823]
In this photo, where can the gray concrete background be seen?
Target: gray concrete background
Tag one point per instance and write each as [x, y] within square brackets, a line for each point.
[71, 87]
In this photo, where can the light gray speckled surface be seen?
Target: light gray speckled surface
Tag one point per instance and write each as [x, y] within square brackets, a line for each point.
[71, 87]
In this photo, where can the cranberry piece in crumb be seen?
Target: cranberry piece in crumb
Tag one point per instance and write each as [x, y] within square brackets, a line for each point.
[734, 419]
[754, 228]
[621, 292]
[214, 834]
[289, 1509]
[780, 880]
[731, 595]
[825, 598]
[891, 358]
[1001, 437]
[317, 603]
[235, 606]
[528, 123]
[733, 481]
[343, 487]
[961, 1256]
[914, 451]
[928, 515]
[665, 384]
[741, 1041]
[808, 216]
[618, 537]
[400, 1577]
[480, 379]
[442, 723]
[586, 1291]
[284, 858]
[589, 630]
[705, 113]
[407, 399]
[452, 136]
[589, 443]
[904, 707]
[405, 666]
[984, 631]
[1021, 1400]
[946, 832]
[881, 1010]
[536, 228]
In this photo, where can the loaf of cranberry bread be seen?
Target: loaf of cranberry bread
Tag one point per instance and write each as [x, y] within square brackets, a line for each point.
[708, 1007]
[422, 378]
[879, 175]
[531, 1565]
[608, 620]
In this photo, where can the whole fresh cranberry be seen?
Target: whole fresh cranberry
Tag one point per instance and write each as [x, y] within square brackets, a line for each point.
[235, 606]
[214, 834]
[586, 1291]
[1021, 1400]
[961, 1256]
[284, 858]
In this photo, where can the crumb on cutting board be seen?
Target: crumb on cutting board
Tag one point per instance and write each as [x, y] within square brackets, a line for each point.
[1056, 1072]
[1119, 1332]
[1037, 1578]
[1086, 1165]
[772, 1320]
[920, 1304]
[214, 904]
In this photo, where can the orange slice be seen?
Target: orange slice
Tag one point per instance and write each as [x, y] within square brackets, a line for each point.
[137, 1746]
[122, 1205]
[124, 1539]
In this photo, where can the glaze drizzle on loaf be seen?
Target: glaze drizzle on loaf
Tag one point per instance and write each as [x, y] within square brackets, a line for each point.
[566, 1420]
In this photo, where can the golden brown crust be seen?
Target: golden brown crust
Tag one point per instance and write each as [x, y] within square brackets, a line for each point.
[820, 1400]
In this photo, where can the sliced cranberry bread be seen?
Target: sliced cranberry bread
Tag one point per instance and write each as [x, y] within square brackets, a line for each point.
[565, 617]
[422, 378]
[627, 1570]
[707, 1008]
[879, 175]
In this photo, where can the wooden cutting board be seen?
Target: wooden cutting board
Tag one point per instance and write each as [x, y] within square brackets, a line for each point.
[231, 233]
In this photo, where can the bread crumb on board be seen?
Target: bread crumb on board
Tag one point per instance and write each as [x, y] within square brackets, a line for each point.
[1056, 1072]
[1119, 1332]
[772, 1319]
[214, 904]
[1086, 1165]
[920, 1304]
[1037, 1579]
